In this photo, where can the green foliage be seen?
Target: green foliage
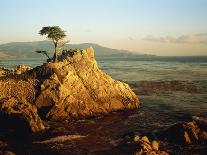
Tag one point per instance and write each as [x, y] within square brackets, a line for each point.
[56, 34]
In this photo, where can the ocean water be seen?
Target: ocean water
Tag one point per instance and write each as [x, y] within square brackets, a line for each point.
[141, 68]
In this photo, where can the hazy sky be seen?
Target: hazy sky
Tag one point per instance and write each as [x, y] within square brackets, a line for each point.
[162, 27]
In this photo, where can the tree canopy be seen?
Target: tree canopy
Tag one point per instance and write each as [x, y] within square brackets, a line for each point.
[56, 34]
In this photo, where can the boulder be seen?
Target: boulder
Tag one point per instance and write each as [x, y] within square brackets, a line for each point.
[77, 88]
[145, 147]
[187, 132]
[20, 115]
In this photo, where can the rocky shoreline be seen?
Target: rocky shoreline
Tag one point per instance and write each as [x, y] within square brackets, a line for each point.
[169, 110]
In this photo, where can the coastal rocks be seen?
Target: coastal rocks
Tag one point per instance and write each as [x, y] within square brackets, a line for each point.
[145, 147]
[22, 69]
[78, 88]
[20, 115]
[18, 70]
[72, 87]
[5, 72]
[188, 132]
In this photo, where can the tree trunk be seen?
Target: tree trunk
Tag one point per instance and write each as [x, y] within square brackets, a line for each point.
[55, 54]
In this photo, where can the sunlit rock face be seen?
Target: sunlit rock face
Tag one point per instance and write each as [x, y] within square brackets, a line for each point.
[78, 88]
[72, 87]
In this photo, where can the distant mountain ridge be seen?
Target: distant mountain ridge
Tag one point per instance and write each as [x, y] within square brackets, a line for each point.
[27, 49]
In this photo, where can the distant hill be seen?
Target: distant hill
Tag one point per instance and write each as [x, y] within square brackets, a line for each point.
[27, 49]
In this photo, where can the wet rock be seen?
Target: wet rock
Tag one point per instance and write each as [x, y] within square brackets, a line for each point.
[187, 132]
[145, 147]
[136, 138]
[20, 115]
[145, 139]
[155, 145]
[3, 144]
[7, 153]
[4, 149]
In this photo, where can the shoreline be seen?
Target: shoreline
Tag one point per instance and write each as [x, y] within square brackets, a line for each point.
[107, 134]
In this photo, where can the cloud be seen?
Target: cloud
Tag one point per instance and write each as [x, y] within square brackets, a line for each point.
[184, 39]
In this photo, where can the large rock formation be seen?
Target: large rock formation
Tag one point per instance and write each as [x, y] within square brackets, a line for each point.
[73, 87]
[78, 88]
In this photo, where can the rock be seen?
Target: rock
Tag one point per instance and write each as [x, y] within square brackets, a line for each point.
[8, 153]
[155, 145]
[144, 147]
[5, 72]
[136, 138]
[73, 87]
[5, 149]
[20, 115]
[2, 72]
[202, 123]
[145, 139]
[186, 133]
[3, 144]
[22, 69]
[77, 88]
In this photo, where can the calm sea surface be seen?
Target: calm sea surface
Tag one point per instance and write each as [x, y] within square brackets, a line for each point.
[141, 69]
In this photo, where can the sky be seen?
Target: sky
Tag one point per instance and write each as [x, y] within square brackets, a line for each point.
[160, 27]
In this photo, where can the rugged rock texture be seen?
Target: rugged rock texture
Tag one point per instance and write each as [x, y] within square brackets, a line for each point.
[145, 147]
[4, 72]
[20, 115]
[21, 69]
[78, 88]
[73, 87]
[188, 132]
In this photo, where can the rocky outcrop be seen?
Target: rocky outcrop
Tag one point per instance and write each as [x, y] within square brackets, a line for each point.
[78, 88]
[21, 69]
[73, 87]
[5, 72]
[20, 115]
[191, 132]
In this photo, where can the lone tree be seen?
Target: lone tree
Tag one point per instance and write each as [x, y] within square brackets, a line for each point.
[56, 34]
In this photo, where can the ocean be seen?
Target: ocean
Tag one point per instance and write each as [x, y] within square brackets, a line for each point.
[141, 68]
